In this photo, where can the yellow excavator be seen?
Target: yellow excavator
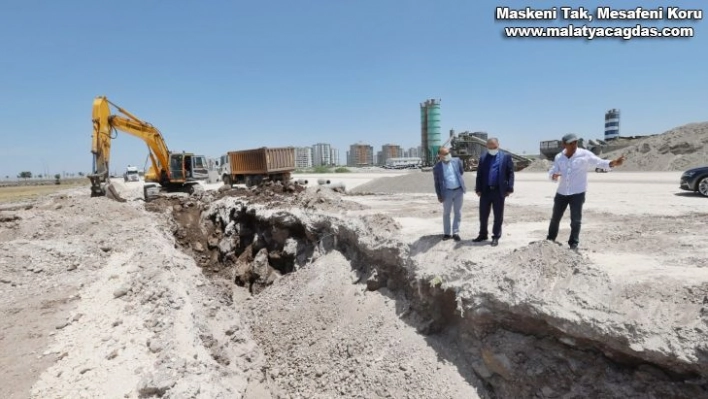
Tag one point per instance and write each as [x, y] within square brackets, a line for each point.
[171, 172]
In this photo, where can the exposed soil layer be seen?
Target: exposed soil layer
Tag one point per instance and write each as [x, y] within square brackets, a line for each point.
[505, 349]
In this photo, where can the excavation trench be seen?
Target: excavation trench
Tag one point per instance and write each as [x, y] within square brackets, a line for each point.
[509, 351]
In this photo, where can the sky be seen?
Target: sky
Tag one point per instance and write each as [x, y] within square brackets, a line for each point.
[217, 76]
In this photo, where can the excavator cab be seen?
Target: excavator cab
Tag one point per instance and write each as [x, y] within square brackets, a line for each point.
[188, 167]
[200, 167]
[177, 171]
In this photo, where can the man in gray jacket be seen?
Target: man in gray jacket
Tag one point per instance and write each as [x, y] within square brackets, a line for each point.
[450, 188]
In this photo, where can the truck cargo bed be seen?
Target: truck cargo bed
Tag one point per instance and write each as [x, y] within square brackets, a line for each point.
[262, 161]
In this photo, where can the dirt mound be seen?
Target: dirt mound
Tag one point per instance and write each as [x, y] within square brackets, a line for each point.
[414, 182]
[335, 339]
[539, 165]
[678, 149]
[273, 196]
[264, 189]
[96, 303]
[326, 199]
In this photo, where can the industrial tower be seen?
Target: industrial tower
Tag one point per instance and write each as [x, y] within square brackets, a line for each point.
[612, 120]
[430, 133]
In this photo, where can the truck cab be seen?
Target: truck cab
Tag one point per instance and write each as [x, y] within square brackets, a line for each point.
[131, 174]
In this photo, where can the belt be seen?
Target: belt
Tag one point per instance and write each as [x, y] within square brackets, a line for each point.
[453, 189]
[492, 187]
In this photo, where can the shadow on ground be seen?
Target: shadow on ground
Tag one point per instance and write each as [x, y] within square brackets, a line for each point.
[425, 243]
[689, 194]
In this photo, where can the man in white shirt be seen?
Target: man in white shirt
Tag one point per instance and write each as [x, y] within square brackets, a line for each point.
[571, 166]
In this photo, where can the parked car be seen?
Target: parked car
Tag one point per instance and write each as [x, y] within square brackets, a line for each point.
[695, 180]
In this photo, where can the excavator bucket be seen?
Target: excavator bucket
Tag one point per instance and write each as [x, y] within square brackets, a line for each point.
[112, 193]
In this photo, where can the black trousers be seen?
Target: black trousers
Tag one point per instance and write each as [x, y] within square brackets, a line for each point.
[560, 203]
[488, 200]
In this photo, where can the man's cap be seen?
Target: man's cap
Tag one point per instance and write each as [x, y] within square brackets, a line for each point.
[569, 138]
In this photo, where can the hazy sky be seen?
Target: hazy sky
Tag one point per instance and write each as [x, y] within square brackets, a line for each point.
[221, 75]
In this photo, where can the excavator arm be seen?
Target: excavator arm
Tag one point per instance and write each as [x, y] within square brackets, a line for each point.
[104, 123]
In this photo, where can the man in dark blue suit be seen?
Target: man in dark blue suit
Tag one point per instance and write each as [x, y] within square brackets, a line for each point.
[495, 181]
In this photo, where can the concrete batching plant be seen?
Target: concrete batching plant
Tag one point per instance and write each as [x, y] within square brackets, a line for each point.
[430, 131]
[469, 147]
[611, 142]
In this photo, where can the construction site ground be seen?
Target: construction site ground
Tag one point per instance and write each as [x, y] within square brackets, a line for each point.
[315, 293]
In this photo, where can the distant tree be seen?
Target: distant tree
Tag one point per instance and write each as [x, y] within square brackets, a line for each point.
[7, 177]
[25, 175]
[39, 176]
[57, 177]
[81, 174]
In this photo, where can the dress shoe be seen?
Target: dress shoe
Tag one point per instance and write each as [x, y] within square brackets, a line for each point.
[495, 242]
[446, 237]
[574, 246]
[456, 237]
[480, 239]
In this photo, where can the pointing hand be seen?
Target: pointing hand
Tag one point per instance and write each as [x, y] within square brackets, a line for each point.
[617, 162]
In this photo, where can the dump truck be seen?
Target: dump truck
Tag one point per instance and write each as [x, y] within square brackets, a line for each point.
[251, 167]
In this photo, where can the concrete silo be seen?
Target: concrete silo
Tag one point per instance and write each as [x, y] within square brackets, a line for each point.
[612, 118]
[431, 134]
[424, 135]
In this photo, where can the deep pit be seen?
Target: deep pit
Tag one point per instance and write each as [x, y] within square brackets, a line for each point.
[496, 349]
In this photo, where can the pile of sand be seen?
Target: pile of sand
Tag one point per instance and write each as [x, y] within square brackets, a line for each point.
[538, 165]
[678, 149]
[410, 183]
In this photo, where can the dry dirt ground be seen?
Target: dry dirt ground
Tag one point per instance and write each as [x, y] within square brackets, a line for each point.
[24, 192]
[316, 294]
